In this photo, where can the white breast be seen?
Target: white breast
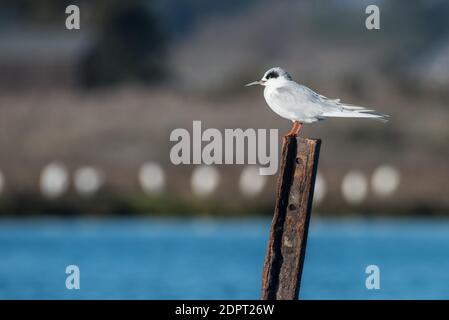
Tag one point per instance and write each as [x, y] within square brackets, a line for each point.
[270, 96]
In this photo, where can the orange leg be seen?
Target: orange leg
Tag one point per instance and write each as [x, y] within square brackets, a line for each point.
[296, 129]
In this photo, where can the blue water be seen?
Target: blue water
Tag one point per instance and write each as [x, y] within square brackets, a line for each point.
[217, 259]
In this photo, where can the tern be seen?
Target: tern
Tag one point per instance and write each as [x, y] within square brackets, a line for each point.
[300, 104]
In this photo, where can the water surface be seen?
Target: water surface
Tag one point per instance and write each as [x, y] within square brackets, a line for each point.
[217, 259]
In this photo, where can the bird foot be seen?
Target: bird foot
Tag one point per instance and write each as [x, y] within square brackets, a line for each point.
[297, 126]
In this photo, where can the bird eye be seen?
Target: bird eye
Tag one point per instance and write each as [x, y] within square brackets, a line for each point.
[272, 74]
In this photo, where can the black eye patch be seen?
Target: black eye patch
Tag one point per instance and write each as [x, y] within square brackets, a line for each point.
[272, 74]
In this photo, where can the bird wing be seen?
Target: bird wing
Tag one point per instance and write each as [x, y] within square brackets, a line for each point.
[300, 101]
[333, 104]
[307, 104]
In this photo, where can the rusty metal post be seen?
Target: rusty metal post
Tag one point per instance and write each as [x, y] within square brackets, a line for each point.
[288, 235]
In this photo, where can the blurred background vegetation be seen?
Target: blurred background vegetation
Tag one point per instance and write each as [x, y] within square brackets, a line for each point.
[108, 95]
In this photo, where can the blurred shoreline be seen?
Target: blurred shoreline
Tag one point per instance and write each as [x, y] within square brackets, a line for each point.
[118, 131]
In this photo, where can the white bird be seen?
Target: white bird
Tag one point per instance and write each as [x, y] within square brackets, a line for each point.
[302, 105]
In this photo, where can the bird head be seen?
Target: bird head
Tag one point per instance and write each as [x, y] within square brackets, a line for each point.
[272, 76]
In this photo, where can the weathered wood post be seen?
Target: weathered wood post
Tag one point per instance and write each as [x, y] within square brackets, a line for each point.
[288, 235]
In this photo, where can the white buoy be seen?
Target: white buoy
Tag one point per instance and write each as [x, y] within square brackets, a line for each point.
[2, 182]
[354, 187]
[54, 180]
[320, 189]
[204, 180]
[385, 180]
[151, 178]
[87, 180]
[251, 183]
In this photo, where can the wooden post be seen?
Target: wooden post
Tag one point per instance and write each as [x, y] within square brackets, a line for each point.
[288, 235]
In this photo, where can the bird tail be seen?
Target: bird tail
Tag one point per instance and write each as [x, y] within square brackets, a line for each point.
[350, 111]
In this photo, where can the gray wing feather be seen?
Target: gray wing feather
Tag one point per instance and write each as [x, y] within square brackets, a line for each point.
[303, 103]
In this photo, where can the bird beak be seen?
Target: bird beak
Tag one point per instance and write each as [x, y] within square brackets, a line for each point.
[253, 83]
